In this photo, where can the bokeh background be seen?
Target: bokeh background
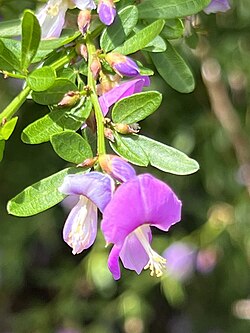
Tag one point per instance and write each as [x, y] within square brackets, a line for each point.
[44, 288]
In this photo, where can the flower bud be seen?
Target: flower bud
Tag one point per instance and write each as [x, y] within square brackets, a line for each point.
[95, 67]
[109, 134]
[81, 49]
[122, 65]
[107, 12]
[83, 20]
[70, 99]
[127, 129]
[88, 163]
[116, 167]
[107, 82]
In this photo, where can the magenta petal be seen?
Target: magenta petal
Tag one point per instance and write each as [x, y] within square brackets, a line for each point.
[123, 90]
[133, 254]
[142, 200]
[113, 262]
[80, 228]
[106, 13]
[217, 6]
[98, 187]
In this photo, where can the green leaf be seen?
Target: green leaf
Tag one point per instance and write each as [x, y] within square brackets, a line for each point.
[2, 146]
[55, 93]
[173, 69]
[10, 28]
[173, 29]
[116, 33]
[71, 147]
[136, 107]
[141, 38]
[31, 35]
[167, 158]
[156, 45]
[127, 147]
[41, 195]
[67, 73]
[57, 121]
[8, 128]
[42, 78]
[8, 60]
[168, 9]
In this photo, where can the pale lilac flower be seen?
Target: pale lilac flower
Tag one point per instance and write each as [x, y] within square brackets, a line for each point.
[52, 16]
[138, 204]
[123, 90]
[122, 64]
[217, 6]
[180, 260]
[107, 12]
[95, 190]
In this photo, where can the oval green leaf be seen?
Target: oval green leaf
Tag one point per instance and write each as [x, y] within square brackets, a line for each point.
[136, 107]
[10, 28]
[8, 128]
[41, 195]
[141, 38]
[167, 158]
[115, 34]
[168, 9]
[56, 121]
[127, 147]
[71, 147]
[174, 70]
[8, 60]
[2, 146]
[42, 78]
[55, 93]
[31, 35]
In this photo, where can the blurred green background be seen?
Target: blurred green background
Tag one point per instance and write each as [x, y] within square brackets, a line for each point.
[44, 288]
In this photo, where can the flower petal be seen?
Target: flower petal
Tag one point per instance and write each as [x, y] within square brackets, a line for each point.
[113, 262]
[133, 254]
[96, 186]
[123, 90]
[106, 13]
[217, 6]
[80, 228]
[84, 4]
[142, 200]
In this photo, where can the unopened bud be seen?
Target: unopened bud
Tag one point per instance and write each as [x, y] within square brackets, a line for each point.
[109, 134]
[107, 82]
[107, 12]
[127, 129]
[88, 163]
[70, 99]
[122, 64]
[95, 67]
[81, 49]
[116, 167]
[83, 20]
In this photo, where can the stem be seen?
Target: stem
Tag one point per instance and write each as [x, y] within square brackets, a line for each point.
[18, 101]
[7, 74]
[94, 99]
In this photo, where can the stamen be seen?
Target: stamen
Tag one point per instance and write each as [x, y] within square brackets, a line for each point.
[156, 263]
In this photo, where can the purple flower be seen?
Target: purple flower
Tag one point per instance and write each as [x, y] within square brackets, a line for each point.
[207, 260]
[122, 65]
[123, 90]
[95, 190]
[217, 6]
[138, 204]
[107, 12]
[181, 260]
[52, 16]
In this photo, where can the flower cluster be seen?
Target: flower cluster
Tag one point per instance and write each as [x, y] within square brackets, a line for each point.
[52, 16]
[130, 205]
